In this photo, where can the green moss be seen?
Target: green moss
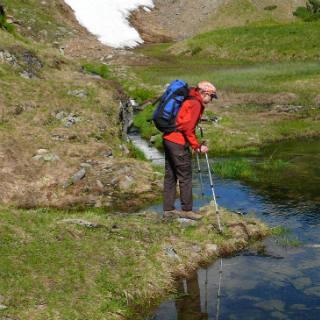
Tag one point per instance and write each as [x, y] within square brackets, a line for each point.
[143, 121]
[99, 69]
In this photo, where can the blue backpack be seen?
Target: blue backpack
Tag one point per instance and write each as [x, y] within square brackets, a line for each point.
[164, 116]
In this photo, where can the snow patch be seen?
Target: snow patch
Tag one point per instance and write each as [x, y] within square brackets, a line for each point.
[108, 20]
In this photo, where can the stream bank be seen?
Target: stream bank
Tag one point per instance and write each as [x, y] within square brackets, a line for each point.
[104, 265]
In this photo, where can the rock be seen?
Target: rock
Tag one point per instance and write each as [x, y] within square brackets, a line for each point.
[215, 119]
[124, 149]
[7, 57]
[287, 108]
[50, 157]
[3, 307]
[42, 151]
[78, 175]
[170, 252]
[45, 155]
[152, 139]
[70, 120]
[27, 75]
[57, 137]
[100, 184]
[186, 222]
[81, 222]
[61, 115]
[211, 248]
[85, 165]
[196, 249]
[126, 183]
[80, 93]
[32, 62]
[108, 154]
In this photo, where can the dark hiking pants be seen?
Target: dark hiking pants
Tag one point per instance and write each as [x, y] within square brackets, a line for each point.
[178, 167]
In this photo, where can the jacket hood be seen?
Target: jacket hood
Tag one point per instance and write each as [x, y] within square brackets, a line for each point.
[195, 94]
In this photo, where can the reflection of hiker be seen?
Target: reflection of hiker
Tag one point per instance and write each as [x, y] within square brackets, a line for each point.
[190, 306]
[178, 165]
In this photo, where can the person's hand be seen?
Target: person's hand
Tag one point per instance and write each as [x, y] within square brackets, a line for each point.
[203, 149]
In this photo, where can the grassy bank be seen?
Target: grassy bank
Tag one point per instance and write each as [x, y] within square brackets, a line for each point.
[262, 73]
[244, 129]
[281, 42]
[294, 161]
[116, 269]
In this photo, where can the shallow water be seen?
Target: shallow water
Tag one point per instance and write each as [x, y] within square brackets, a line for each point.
[278, 282]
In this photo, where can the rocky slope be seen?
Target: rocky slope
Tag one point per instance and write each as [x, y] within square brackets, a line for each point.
[59, 118]
[180, 19]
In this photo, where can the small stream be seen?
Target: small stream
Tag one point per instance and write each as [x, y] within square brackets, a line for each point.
[278, 280]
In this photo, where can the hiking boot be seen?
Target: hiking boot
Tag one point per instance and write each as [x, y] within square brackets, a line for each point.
[172, 214]
[189, 215]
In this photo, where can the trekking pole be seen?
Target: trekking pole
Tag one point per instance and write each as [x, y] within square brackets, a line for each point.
[219, 291]
[200, 174]
[213, 193]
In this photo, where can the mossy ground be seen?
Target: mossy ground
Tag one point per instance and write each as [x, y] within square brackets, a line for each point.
[55, 270]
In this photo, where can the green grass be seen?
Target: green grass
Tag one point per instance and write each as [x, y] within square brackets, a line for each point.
[143, 121]
[249, 169]
[309, 13]
[255, 61]
[302, 78]
[53, 270]
[135, 152]
[235, 169]
[284, 237]
[259, 59]
[101, 70]
[288, 42]
[48, 24]
[6, 25]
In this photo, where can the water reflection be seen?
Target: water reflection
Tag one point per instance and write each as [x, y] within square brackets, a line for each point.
[274, 281]
[279, 283]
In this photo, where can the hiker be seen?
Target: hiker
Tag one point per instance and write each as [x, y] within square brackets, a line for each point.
[178, 166]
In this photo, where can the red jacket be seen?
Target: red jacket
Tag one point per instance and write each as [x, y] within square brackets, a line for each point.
[187, 120]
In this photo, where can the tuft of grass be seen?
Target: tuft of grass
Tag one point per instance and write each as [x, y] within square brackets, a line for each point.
[99, 69]
[143, 121]
[141, 94]
[284, 237]
[280, 231]
[4, 24]
[310, 12]
[234, 168]
[135, 152]
[273, 165]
